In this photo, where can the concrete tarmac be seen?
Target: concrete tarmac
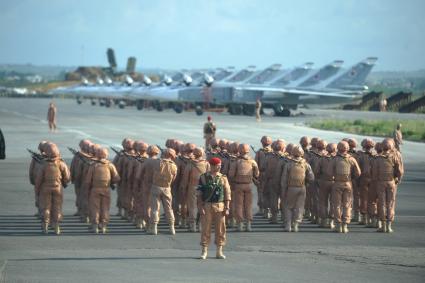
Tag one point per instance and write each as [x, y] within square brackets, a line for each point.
[127, 255]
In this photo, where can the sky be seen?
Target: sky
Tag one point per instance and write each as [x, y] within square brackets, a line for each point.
[175, 34]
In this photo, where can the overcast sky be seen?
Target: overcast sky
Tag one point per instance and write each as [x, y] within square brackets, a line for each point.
[194, 34]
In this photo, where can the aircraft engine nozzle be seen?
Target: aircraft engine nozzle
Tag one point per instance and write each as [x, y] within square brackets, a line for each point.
[167, 80]
[84, 81]
[128, 80]
[99, 81]
[208, 80]
[187, 80]
[108, 81]
[147, 81]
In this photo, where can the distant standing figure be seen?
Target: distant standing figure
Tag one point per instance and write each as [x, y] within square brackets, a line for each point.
[258, 110]
[398, 137]
[209, 132]
[383, 104]
[2, 146]
[51, 116]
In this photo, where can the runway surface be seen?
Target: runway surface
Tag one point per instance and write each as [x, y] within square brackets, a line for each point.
[125, 254]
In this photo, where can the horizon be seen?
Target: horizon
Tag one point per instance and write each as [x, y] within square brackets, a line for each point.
[190, 34]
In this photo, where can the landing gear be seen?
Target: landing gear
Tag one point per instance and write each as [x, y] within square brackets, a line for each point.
[248, 110]
[235, 109]
[93, 102]
[102, 102]
[178, 107]
[140, 104]
[122, 104]
[79, 100]
[281, 111]
[108, 103]
[198, 110]
[158, 106]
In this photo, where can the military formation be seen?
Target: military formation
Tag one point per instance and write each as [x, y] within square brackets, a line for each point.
[326, 184]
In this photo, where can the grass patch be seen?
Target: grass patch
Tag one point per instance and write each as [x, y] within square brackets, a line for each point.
[413, 130]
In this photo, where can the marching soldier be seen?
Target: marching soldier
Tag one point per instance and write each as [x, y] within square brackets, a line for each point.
[209, 132]
[314, 159]
[233, 157]
[99, 178]
[325, 183]
[35, 165]
[274, 166]
[143, 177]
[213, 205]
[343, 168]
[387, 171]
[296, 173]
[242, 173]
[52, 177]
[164, 173]
[118, 165]
[372, 195]
[193, 170]
[356, 189]
[140, 157]
[309, 205]
[364, 159]
[260, 158]
[181, 162]
[214, 149]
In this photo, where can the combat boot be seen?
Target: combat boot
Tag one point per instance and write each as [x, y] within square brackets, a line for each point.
[204, 253]
[287, 226]
[248, 226]
[183, 223]
[295, 229]
[45, 228]
[154, 229]
[373, 223]
[95, 228]
[219, 253]
[382, 226]
[322, 222]
[356, 217]
[240, 227]
[389, 228]
[57, 229]
[192, 227]
[172, 230]
[331, 224]
[363, 219]
[345, 228]
[104, 229]
[338, 228]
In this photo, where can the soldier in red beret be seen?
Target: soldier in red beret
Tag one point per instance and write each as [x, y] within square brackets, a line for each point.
[213, 201]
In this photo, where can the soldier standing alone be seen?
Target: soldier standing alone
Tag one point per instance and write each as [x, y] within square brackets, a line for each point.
[213, 200]
[51, 116]
[209, 132]
[398, 137]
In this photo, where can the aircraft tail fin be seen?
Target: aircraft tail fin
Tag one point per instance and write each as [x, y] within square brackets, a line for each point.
[324, 73]
[355, 76]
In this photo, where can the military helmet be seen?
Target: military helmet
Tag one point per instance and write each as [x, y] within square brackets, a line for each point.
[367, 143]
[214, 142]
[153, 150]
[304, 141]
[102, 153]
[234, 147]
[266, 140]
[352, 143]
[314, 141]
[140, 146]
[170, 153]
[343, 147]
[198, 152]
[387, 144]
[378, 147]
[52, 151]
[222, 143]
[289, 148]
[331, 147]
[42, 146]
[279, 145]
[321, 144]
[243, 148]
[297, 151]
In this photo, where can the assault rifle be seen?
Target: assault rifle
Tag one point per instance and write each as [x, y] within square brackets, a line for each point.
[75, 152]
[36, 156]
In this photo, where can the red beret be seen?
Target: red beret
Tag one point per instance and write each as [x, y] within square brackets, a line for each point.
[209, 118]
[215, 161]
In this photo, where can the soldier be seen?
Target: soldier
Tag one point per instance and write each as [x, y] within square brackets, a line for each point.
[181, 162]
[296, 173]
[51, 116]
[175, 188]
[124, 194]
[164, 173]
[343, 168]
[233, 157]
[325, 183]
[78, 157]
[274, 166]
[258, 110]
[213, 205]
[309, 205]
[305, 142]
[364, 159]
[372, 195]
[209, 132]
[35, 166]
[143, 177]
[313, 188]
[398, 137]
[387, 171]
[356, 190]
[52, 177]
[214, 149]
[260, 158]
[189, 183]
[242, 173]
[140, 157]
[100, 176]
[83, 168]
[224, 155]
